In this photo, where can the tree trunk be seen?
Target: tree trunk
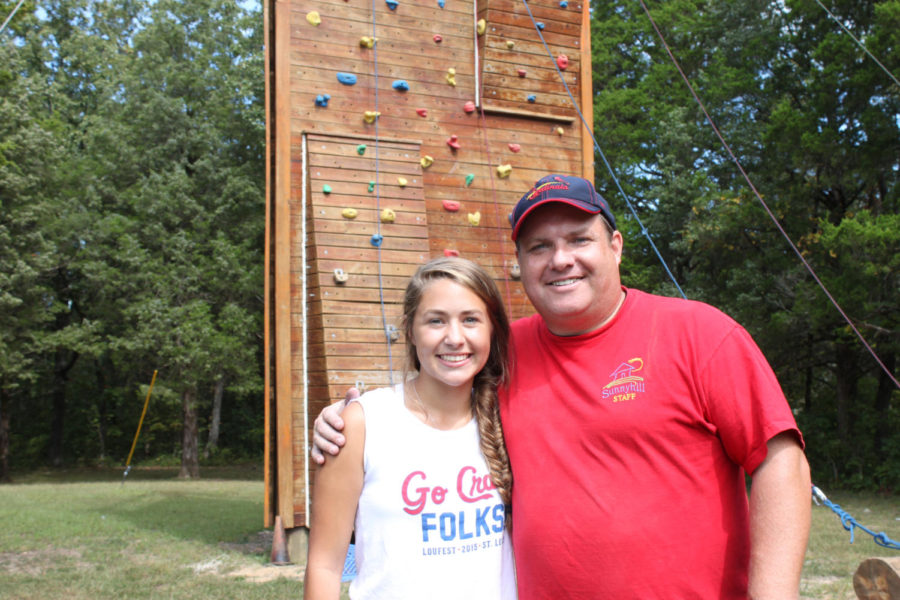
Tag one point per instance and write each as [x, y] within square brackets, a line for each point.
[101, 410]
[64, 362]
[213, 442]
[190, 458]
[883, 406]
[847, 375]
[4, 436]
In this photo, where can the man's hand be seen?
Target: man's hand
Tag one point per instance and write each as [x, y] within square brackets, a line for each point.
[327, 430]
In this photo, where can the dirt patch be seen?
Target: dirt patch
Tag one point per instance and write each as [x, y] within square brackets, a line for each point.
[264, 573]
[259, 543]
[38, 562]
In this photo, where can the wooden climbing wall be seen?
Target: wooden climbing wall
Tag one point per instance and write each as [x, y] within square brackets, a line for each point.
[356, 202]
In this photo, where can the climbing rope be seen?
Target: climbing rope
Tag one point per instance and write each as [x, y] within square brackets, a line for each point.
[860, 44]
[850, 523]
[11, 15]
[644, 231]
[377, 238]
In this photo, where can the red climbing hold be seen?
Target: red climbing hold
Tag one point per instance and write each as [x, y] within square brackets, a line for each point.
[450, 253]
[469, 107]
[514, 147]
[562, 61]
[450, 205]
[453, 142]
[521, 72]
[422, 112]
[437, 39]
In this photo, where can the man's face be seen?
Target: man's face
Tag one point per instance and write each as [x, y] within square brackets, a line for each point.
[570, 267]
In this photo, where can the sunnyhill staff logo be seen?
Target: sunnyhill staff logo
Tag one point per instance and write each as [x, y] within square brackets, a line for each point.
[626, 384]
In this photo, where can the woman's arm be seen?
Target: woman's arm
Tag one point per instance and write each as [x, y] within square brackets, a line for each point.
[335, 497]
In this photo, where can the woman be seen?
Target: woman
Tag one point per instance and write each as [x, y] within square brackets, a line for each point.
[424, 479]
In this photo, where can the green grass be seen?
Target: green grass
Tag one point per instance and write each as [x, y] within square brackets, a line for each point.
[81, 534]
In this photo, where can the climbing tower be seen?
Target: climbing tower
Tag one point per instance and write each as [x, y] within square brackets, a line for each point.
[397, 131]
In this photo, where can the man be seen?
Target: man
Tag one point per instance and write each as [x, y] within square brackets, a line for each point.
[630, 422]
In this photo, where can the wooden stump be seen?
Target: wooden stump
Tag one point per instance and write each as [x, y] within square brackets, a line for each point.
[878, 579]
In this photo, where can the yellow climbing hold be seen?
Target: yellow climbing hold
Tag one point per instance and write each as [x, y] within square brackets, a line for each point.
[370, 115]
[482, 25]
[367, 41]
[504, 171]
[510, 44]
[451, 76]
[313, 18]
[560, 131]
[388, 216]
[474, 218]
[349, 213]
[426, 161]
[401, 181]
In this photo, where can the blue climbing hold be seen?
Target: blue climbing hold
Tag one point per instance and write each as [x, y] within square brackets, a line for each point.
[400, 85]
[540, 25]
[376, 240]
[532, 98]
[346, 78]
[322, 100]
[564, 4]
[441, 3]
[392, 4]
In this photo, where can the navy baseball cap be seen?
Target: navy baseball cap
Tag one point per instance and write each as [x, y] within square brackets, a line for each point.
[573, 191]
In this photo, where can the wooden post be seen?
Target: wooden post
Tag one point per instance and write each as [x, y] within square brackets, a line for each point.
[878, 579]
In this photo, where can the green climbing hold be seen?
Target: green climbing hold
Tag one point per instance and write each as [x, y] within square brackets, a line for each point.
[469, 179]
[371, 186]
[361, 149]
[326, 189]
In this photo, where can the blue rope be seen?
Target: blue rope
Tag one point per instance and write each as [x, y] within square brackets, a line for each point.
[384, 323]
[612, 174]
[850, 523]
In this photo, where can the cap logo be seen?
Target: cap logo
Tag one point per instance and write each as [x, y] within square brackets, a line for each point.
[550, 185]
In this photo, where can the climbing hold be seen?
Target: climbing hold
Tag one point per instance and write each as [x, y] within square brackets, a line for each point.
[346, 78]
[451, 76]
[441, 3]
[520, 72]
[510, 44]
[400, 85]
[313, 18]
[388, 216]
[349, 213]
[340, 276]
[422, 112]
[540, 25]
[482, 26]
[371, 186]
[426, 161]
[376, 240]
[367, 41]
[322, 100]
[469, 179]
[503, 171]
[560, 131]
[326, 189]
[361, 149]
[474, 218]
[453, 142]
[370, 115]
[514, 147]
[469, 107]
[562, 61]
[392, 335]
[401, 181]
[392, 4]
[450, 253]
[514, 271]
[437, 39]
[532, 98]
[450, 205]
[563, 4]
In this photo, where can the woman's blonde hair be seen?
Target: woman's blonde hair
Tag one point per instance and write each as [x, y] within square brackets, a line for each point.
[495, 371]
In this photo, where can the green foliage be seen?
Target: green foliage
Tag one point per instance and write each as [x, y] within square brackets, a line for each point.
[131, 182]
[816, 125]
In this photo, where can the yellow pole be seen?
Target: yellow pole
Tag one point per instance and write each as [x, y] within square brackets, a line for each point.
[141, 422]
